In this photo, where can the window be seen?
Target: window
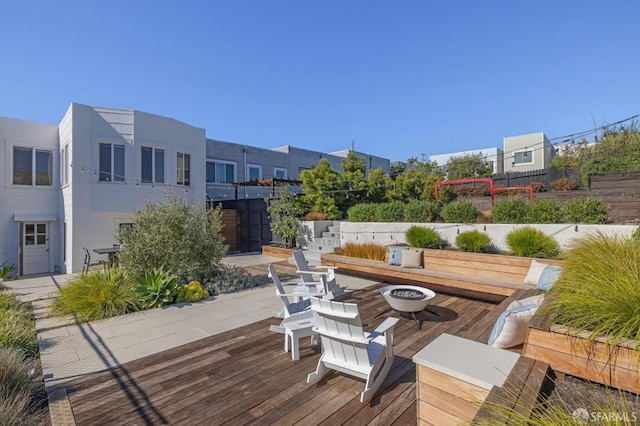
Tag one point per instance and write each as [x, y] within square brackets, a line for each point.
[152, 166]
[26, 160]
[221, 172]
[254, 172]
[64, 166]
[280, 173]
[523, 157]
[111, 162]
[184, 169]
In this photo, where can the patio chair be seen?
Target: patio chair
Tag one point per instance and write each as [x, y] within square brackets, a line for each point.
[348, 349]
[300, 295]
[87, 261]
[332, 289]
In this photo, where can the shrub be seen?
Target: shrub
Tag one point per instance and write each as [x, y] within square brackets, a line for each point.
[192, 292]
[461, 211]
[284, 212]
[157, 288]
[599, 288]
[184, 239]
[5, 269]
[512, 210]
[16, 386]
[543, 211]
[470, 191]
[364, 212]
[473, 241]
[421, 211]
[229, 278]
[423, 237]
[636, 235]
[97, 295]
[390, 212]
[606, 165]
[538, 187]
[531, 242]
[313, 216]
[585, 210]
[564, 184]
[370, 251]
[16, 326]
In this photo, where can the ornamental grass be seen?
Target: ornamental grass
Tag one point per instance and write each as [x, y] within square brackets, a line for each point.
[369, 251]
[599, 288]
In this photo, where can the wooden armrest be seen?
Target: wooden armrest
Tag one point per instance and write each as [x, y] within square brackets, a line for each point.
[326, 267]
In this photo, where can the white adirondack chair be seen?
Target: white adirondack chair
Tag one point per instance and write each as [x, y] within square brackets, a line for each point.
[348, 349]
[299, 302]
[308, 275]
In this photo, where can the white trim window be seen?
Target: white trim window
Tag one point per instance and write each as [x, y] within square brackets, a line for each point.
[254, 172]
[151, 165]
[221, 171]
[32, 166]
[280, 173]
[64, 166]
[183, 168]
[110, 162]
[523, 157]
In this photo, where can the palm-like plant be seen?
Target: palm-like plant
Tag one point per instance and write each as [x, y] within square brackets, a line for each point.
[157, 288]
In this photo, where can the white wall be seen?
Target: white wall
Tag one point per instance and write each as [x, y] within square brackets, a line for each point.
[22, 199]
[394, 233]
[96, 207]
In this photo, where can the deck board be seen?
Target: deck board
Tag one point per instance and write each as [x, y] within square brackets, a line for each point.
[243, 376]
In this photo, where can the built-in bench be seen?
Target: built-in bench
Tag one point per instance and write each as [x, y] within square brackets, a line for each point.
[483, 276]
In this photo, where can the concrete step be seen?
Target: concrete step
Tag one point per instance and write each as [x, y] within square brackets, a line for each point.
[330, 235]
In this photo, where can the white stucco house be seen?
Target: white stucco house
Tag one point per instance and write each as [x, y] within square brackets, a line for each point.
[67, 187]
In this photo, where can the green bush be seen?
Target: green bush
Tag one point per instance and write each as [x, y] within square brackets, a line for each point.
[16, 325]
[543, 211]
[192, 292]
[390, 212]
[16, 386]
[5, 269]
[473, 241]
[184, 239]
[97, 295]
[423, 237]
[229, 278]
[512, 210]
[636, 235]
[364, 212]
[461, 211]
[531, 242]
[585, 210]
[605, 165]
[599, 288]
[421, 211]
[157, 288]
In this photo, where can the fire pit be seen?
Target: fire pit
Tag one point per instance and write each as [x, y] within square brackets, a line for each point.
[408, 299]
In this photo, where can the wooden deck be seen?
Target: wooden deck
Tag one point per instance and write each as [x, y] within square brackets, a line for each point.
[243, 376]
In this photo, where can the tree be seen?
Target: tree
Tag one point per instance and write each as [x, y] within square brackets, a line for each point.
[183, 239]
[322, 190]
[417, 183]
[468, 166]
[353, 181]
[285, 213]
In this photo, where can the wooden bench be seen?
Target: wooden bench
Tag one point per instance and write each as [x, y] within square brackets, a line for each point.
[478, 275]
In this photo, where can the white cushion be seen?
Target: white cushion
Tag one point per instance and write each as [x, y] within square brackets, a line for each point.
[535, 271]
[511, 327]
[412, 259]
[531, 300]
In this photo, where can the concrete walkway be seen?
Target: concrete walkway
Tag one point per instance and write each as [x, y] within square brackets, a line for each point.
[69, 351]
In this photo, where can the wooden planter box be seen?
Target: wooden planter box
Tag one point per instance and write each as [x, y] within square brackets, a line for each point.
[595, 361]
[279, 252]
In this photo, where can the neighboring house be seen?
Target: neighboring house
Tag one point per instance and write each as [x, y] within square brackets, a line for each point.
[527, 152]
[69, 187]
[493, 157]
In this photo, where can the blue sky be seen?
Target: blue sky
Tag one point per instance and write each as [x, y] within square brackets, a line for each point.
[405, 78]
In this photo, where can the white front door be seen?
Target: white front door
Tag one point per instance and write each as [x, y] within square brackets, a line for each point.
[35, 248]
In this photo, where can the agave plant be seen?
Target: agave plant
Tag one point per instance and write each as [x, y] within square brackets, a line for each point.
[157, 288]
